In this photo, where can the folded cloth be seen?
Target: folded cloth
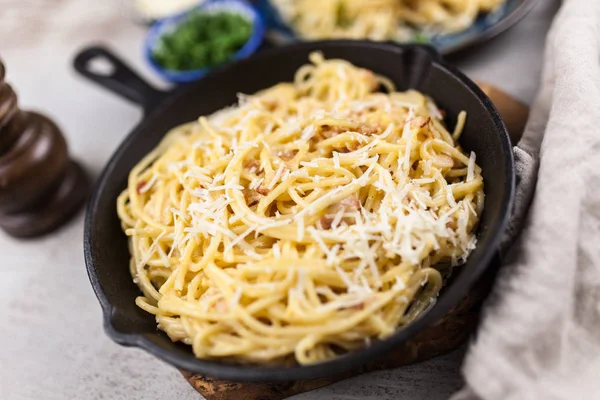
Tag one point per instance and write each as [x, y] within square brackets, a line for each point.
[540, 333]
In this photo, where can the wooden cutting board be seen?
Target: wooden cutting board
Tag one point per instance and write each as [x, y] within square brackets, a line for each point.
[448, 334]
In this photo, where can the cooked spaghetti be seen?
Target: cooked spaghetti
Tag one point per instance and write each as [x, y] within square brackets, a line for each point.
[380, 19]
[306, 221]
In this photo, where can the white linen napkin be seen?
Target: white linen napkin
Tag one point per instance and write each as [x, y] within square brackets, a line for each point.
[540, 333]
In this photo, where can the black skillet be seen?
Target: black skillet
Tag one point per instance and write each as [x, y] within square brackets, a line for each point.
[409, 66]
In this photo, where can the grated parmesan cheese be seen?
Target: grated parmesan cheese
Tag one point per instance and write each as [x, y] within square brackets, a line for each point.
[471, 167]
[276, 177]
[256, 182]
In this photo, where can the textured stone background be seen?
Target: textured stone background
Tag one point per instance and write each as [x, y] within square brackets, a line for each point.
[51, 341]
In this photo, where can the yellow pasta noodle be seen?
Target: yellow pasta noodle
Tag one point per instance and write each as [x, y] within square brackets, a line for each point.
[380, 19]
[303, 222]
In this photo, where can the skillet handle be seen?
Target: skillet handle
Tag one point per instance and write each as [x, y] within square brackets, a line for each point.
[422, 47]
[118, 77]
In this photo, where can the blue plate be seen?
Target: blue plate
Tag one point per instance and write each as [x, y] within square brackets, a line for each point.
[167, 25]
[484, 28]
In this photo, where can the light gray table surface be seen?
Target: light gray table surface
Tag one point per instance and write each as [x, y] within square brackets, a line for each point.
[51, 341]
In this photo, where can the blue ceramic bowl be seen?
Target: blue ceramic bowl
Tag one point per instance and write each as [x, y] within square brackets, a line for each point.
[485, 27]
[167, 25]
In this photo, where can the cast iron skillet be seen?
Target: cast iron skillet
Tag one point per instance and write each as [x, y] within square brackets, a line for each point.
[409, 66]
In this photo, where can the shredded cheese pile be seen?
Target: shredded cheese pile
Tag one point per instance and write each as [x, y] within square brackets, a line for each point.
[306, 221]
[380, 19]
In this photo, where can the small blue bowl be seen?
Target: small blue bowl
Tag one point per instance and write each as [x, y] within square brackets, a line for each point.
[167, 25]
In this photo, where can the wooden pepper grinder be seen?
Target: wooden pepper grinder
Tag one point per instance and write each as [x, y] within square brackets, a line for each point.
[40, 187]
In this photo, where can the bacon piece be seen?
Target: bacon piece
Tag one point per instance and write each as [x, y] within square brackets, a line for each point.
[325, 222]
[287, 154]
[270, 105]
[328, 131]
[451, 224]
[352, 146]
[369, 130]
[357, 307]
[252, 197]
[350, 203]
[252, 165]
[263, 190]
[419, 122]
[140, 186]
